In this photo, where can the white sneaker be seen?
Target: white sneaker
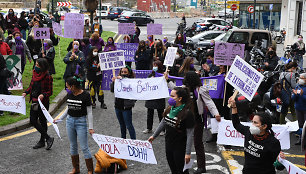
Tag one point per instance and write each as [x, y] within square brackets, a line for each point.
[162, 133]
[147, 131]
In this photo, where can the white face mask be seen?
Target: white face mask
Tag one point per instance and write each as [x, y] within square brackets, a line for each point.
[254, 130]
[95, 53]
[177, 56]
[301, 82]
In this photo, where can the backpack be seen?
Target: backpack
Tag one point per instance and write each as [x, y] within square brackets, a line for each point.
[282, 84]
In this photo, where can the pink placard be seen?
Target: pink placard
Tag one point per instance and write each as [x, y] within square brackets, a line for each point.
[41, 33]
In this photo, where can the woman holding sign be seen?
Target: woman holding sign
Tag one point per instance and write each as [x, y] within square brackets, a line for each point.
[261, 148]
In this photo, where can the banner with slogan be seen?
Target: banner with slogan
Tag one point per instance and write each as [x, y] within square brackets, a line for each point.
[228, 135]
[13, 103]
[136, 150]
[126, 28]
[41, 33]
[74, 25]
[57, 28]
[225, 53]
[290, 167]
[154, 29]
[244, 78]
[170, 56]
[129, 50]
[13, 63]
[112, 60]
[141, 89]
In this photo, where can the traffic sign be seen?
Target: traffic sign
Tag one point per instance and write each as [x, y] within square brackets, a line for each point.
[251, 9]
[233, 2]
[271, 7]
[234, 7]
[64, 4]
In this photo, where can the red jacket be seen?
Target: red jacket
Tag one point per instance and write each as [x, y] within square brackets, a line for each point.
[5, 49]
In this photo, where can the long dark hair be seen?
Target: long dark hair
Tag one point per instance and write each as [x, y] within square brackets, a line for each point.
[90, 54]
[265, 119]
[75, 81]
[291, 65]
[131, 73]
[43, 63]
[186, 65]
[141, 46]
[192, 80]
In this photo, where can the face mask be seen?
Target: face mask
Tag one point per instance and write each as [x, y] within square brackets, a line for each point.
[300, 39]
[109, 42]
[155, 68]
[68, 91]
[254, 130]
[124, 75]
[191, 66]
[171, 101]
[18, 38]
[177, 56]
[150, 38]
[301, 82]
[37, 69]
[211, 44]
[75, 47]
[95, 53]
[165, 40]
[294, 71]
[10, 12]
[179, 37]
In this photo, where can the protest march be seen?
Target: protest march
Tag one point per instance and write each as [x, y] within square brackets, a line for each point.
[233, 96]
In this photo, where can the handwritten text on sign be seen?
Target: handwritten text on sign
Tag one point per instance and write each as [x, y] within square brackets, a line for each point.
[13, 104]
[129, 50]
[244, 78]
[41, 33]
[136, 150]
[112, 60]
[225, 53]
[126, 28]
[170, 56]
[74, 25]
[141, 89]
[154, 29]
[57, 28]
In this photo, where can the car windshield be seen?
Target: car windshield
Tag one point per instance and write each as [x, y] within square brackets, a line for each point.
[126, 13]
[200, 35]
[220, 37]
[227, 35]
[114, 9]
[104, 8]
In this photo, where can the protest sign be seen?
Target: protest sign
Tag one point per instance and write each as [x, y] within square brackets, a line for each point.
[49, 118]
[129, 50]
[228, 135]
[112, 60]
[244, 78]
[13, 103]
[136, 150]
[141, 89]
[170, 56]
[13, 63]
[290, 167]
[57, 28]
[126, 28]
[74, 25]
[154, 29]
[41, 33]
[225, 53]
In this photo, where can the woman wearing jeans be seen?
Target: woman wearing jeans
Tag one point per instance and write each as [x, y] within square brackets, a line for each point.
[123, 107]
[79, 106]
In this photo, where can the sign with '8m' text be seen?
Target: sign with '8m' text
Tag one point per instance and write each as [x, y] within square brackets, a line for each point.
[112, 60]
[41, 33]
[136, 150]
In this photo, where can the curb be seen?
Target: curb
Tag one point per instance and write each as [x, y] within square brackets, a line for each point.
[23, 124]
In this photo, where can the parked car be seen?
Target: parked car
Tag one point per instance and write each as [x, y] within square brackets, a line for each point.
[105, 7]
[137, 18]
[114, 12]
[229, 13]
[206, 35]
[74, 9]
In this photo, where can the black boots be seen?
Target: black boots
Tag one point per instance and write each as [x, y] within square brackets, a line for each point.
[40, 144]
[49, 143]
[200, 170]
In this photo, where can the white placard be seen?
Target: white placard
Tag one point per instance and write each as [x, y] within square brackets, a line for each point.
[136, 150]
[244, 78]
[291, 168]
[112, 60]
[228, 135]
[141, 89]
[214, 125]
[13, 103]
[170, 56]
[49, 118]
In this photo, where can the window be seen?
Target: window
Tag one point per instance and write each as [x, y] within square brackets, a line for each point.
[239, 37]
[207, 37]
[259, 37]
[223, 23]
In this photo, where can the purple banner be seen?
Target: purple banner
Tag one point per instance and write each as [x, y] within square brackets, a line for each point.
[126, 28]
[129, 50]
[74, 25]
[41, 33]
[57, 28]
[225, 53]
[154, 29]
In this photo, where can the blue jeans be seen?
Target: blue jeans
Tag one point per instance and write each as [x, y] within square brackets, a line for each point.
[299, 59]
[125, 121]
[24, 34]
[77, 129]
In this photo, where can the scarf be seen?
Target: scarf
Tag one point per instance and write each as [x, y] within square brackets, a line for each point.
[38, 76]
[174, 111]
[301, 45]
[260, 138]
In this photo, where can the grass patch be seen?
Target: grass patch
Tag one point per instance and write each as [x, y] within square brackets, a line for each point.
[58, 82]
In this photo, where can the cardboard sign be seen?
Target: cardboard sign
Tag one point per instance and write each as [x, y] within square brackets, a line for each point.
[57, 28]
[244, 78]
[170, 56]
[13, 63]
[112, 60]
[225, 53]
[154, 29]
[136, 150]
[126, 28]
[13, 103]
[129, 50]
[74, 25]
[41, 33]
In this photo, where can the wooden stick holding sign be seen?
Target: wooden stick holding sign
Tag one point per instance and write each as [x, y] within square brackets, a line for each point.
[234, 96]
[170, 57]
[225, 84]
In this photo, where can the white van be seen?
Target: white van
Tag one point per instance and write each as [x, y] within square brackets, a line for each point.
[104, 10]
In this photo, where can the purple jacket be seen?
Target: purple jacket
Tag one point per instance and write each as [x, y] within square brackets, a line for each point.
[110, 48]
[97, 44]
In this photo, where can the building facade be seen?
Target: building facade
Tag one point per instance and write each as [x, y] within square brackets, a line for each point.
[154, 5]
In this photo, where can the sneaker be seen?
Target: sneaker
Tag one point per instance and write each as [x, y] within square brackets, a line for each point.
[147, 131]
[162, 133]
[39, 145]
[50, 143]
[103, 106]
[94, 105]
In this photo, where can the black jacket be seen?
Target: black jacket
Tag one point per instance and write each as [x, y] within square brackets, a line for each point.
[295, 48]
[157, 103]
[34, 45]
[122, 104]
[273, 61]
[142, 60]
[92, 70]
[49, 55]
[72, 64]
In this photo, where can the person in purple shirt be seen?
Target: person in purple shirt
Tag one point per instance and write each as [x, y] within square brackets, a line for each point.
[96, 41]
[110, 45]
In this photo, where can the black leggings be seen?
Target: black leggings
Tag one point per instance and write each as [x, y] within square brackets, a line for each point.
[175, 153]
[150, 117]
[41, 127]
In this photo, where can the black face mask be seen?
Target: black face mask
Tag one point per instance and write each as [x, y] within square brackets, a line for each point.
[125, 75]
[270, 53]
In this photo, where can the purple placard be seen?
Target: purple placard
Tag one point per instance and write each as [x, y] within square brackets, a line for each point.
[154, 29]
[129, 50]
[74, 25]
[225, 53]
[126, 28]
[57, 28]
[41, 33]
